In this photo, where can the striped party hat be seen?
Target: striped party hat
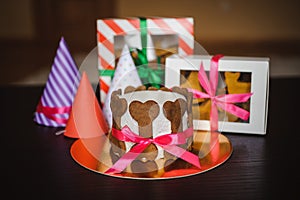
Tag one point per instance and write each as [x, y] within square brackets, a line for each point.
[55, 104]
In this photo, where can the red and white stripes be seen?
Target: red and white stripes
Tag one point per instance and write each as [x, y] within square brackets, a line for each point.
[107, 29]
[182, 27]
[58, 95]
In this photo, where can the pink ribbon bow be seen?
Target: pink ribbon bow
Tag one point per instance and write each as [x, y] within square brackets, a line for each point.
[224, 102]
[168, 142]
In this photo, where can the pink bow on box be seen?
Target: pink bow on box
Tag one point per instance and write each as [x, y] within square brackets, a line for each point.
[224, 101]
[168, 142]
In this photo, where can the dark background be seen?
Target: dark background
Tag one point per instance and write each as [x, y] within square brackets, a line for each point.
[31, 29]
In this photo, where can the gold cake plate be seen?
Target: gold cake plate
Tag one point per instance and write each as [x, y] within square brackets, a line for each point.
[93, 154]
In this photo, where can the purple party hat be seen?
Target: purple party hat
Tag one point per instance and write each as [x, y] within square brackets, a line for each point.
[55, 104]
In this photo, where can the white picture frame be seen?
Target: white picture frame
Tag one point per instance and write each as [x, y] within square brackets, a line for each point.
[259, 69]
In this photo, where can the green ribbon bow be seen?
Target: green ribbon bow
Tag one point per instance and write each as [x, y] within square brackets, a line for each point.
[149, 76]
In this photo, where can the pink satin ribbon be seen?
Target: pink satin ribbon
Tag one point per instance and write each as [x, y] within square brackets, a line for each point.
[50, 112]
[168, 142]
[224, 101]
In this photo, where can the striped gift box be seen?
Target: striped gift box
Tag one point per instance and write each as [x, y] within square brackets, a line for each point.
[107, 42]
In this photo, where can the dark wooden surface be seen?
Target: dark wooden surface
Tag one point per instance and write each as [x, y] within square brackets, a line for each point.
[36, 164]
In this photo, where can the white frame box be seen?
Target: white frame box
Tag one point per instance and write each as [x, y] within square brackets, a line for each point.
[259, 69]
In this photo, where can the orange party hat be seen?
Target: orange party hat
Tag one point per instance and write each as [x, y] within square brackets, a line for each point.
[86, 118]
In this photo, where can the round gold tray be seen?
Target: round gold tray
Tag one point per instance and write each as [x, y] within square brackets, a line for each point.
[93, 154]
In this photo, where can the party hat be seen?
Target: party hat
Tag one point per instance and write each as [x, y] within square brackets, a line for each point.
[54, 106]
[125, 75]
[86, 118]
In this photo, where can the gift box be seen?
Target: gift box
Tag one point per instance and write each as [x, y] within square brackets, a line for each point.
[236, 92]
[168, 35]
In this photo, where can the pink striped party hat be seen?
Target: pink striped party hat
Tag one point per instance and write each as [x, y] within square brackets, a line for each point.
[55, 104]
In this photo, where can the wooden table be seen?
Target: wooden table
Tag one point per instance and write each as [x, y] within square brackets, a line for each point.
[36, 163]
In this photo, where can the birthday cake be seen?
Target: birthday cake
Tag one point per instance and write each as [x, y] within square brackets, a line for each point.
[152, 117]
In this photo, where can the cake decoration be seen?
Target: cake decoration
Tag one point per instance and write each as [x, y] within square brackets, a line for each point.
[152, 131]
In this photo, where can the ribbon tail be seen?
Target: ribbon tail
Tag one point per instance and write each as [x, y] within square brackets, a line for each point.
[127, 158]
[214, 118]
[203, 80]
[155, 79]
[235, 110]
[214, 146]
[183, 154]
[213, 73]
[198, 94]
[234, 98]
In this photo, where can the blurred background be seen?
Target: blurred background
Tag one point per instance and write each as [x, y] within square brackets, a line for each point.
[31, 29]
